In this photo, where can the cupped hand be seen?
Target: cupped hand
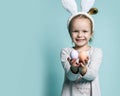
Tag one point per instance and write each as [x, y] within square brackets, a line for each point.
[73, 62]
[83, 57]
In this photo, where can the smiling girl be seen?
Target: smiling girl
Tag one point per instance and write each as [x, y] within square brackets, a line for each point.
[81, 79]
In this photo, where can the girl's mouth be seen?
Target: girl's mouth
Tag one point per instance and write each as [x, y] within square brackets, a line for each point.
[80, 40]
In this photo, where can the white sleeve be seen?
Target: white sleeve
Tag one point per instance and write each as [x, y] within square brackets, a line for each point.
[70, 75]
[94, 64]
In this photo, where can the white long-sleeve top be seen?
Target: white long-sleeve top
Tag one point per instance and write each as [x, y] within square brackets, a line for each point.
[76, 84]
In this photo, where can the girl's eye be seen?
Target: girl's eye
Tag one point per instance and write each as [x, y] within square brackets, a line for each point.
[85, 31]
[75, 31]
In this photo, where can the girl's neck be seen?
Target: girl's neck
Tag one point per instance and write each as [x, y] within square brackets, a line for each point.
[82, 48]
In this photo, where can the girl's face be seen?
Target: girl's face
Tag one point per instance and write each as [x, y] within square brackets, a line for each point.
[81, 32]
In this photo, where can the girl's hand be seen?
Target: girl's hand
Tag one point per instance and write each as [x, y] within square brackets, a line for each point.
[83, 57]
[73, 62]
[83, 69]
[74, 65]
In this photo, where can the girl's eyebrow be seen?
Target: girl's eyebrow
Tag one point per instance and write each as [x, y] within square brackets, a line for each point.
[86, 29]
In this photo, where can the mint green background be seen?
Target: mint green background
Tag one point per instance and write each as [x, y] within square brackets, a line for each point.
[32, 33]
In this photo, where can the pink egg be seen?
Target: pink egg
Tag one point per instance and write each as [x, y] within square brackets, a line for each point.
[83, 55]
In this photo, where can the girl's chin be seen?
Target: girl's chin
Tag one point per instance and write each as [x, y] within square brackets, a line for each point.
[79, 45]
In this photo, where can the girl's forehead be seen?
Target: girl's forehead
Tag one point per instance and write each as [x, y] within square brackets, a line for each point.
[81, 20]
[81, 24]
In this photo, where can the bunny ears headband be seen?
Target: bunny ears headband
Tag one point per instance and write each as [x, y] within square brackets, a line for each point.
[86, 6]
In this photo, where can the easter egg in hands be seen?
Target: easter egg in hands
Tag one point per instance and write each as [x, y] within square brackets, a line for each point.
[74, 54]
[83, 57]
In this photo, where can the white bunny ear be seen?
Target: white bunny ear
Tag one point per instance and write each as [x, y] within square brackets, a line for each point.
[70, 6]
[86, 5]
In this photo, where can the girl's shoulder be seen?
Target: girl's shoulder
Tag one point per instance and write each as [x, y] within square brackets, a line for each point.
[67, 49]
[96, 50]
[91, 50]
[71, 48]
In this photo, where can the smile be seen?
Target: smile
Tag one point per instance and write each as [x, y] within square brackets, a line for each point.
[79, 40]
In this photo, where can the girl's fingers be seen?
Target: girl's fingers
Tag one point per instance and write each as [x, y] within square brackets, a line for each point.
[74, 63]
[68, 59]
[86, 61]
[71, 61]
[82, 65]
[87, 58]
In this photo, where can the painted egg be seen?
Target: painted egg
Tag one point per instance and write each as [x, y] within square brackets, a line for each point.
[74, 54]
[83, 55]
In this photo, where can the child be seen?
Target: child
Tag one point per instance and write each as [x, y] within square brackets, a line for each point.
[81, 76]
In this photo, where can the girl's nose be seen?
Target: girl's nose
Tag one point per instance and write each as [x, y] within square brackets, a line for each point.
[80, 34]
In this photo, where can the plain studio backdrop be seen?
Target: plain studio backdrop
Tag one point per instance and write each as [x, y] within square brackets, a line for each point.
[32, 33]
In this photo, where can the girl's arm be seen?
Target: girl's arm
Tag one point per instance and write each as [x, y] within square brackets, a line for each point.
[94, 64]
[67, 67]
